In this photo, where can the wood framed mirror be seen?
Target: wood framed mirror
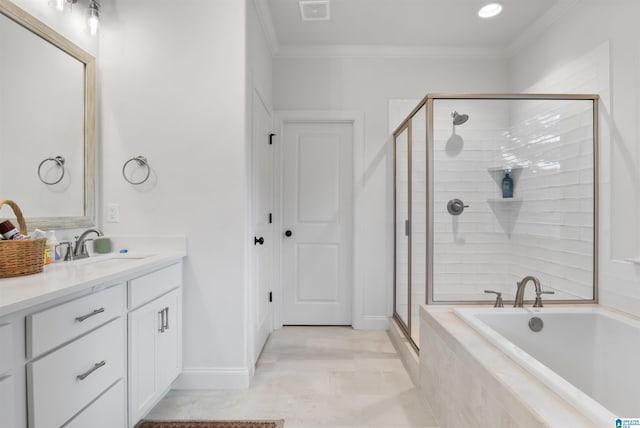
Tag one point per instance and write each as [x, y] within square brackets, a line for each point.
[47, 113]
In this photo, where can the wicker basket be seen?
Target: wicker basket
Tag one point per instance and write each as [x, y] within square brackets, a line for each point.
[22, 257]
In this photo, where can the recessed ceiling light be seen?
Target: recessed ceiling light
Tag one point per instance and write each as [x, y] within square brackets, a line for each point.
[490, 10]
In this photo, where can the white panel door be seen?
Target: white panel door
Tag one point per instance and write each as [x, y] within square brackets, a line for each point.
[262, 223]
[317, 197]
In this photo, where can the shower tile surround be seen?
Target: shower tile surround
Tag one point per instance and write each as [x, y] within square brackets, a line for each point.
[545, 230]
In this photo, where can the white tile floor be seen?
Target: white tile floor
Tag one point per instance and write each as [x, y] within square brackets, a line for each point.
[316, 377]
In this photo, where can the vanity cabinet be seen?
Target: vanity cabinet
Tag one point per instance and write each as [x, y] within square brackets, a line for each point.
[7, 402]
[99, 356]
[155, 349]
[75, 352]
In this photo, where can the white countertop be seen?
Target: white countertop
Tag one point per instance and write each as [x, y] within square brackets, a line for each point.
[65, 278]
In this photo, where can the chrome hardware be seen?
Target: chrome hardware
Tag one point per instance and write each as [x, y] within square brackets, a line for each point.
[95, 312]
[59, 160]
[499, 303]
[519, 299]
[95, 367]
[536, 324]
[161, 313]
[538, 302]
[456, 207]
[166, 320]
[80, 248]
[142, 162]
[68, 256]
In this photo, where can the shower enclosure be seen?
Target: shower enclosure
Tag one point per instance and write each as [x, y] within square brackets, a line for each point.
[489, 189]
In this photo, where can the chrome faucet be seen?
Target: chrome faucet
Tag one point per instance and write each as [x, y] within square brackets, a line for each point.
[519, 300]
[80, 247]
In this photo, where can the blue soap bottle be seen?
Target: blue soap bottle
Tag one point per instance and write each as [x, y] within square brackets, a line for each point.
[507, 185]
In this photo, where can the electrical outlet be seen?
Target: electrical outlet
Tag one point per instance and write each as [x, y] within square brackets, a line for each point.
[113, 213]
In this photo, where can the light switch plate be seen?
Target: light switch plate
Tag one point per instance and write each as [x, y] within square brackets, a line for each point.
[113, 213]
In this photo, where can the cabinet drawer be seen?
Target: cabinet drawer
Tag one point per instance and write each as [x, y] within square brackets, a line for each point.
[55, 326]
[146, 288]
[108, 411]
[6, 345]
[54, 388]
[7, 407]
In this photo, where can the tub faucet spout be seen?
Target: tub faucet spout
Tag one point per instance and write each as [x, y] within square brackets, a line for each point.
[519, 300]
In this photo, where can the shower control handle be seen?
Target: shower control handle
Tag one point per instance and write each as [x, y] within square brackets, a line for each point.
[456, 207]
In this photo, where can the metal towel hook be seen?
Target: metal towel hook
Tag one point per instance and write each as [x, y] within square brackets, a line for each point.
[142, 162]
[59, 160]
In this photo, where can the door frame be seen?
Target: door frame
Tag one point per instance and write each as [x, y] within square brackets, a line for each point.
[356, 119]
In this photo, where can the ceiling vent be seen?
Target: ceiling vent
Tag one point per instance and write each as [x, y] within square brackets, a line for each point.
[314, 10]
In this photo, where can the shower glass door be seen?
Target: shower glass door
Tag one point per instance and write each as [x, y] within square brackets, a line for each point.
[402, 257]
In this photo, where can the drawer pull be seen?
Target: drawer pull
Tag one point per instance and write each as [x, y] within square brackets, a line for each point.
[95, 367]
[161, 313]
[166, 325]
[95, 312]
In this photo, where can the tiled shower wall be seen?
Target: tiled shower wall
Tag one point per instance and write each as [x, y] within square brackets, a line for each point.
[545, 230]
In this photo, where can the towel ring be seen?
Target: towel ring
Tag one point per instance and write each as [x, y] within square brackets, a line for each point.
[59, 160]
[142, 162]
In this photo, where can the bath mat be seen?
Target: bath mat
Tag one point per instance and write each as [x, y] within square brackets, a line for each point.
[211, 424]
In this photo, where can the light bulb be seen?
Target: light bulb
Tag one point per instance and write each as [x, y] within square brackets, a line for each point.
[94, 17]
[94, 25]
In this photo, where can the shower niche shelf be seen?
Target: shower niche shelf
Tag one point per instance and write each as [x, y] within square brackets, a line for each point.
[497, 173]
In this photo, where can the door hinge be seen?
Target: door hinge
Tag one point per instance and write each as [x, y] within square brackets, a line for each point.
[271, 138]
[270, 218]
[271, 296]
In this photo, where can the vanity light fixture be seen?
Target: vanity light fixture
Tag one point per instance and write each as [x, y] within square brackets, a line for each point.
[94, 17]
[490, 10]
[63, 6]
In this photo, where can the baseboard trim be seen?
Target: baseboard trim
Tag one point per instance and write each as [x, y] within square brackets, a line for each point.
[372, 322]
[213, 378]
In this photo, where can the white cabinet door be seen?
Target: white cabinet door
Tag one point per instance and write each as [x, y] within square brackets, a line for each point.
[7, 407]
[169, 348]
[155, 352]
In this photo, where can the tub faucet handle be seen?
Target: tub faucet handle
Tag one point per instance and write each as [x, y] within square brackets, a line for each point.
[538, 302]
[499, 303]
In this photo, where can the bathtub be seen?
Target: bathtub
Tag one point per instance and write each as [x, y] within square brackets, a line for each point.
[587, 355]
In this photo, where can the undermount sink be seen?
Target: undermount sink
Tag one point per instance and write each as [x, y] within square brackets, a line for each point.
[104, 260]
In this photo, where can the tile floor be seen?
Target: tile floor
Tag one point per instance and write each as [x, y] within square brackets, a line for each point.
[316, 377]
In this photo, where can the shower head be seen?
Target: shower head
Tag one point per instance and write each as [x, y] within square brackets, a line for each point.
[459, 119]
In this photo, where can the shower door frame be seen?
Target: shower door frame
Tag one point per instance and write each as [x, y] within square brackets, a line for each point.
[428, 101]
[405, 327]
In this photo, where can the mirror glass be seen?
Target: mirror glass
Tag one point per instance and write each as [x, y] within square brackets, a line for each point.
[45, 156]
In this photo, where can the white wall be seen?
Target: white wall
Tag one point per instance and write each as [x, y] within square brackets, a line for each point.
[553, 59]
[173, 84]
[367, 85]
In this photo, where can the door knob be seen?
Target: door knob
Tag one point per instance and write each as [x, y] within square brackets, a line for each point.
[257, 241]
[288, 233]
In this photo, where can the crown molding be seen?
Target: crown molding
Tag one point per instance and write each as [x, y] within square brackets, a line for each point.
[385, 51]
[266, 21]
[533, 31]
